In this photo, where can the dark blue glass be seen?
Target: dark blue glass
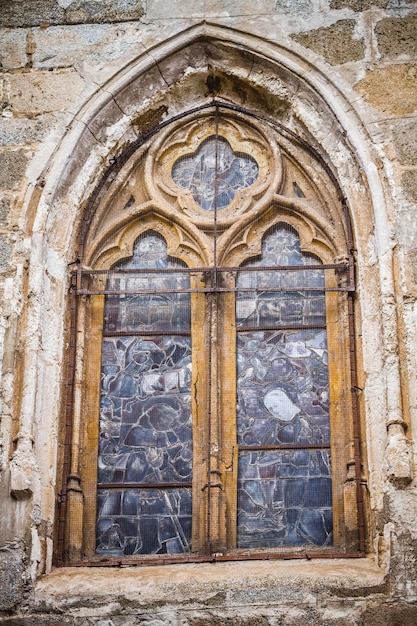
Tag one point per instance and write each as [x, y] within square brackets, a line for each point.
[283, 400]
[214, 173]
[145, 409]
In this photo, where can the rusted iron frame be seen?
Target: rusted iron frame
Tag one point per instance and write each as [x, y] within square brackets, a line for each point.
[161, 485]
[355, 424]
[287, 446]
[120, 292]
[69, 395]
[307, 555]
[196, 270]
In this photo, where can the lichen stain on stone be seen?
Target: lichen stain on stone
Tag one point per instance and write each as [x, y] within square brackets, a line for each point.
[397, 36]
[335, 43]
[253, 95]
[391, 89]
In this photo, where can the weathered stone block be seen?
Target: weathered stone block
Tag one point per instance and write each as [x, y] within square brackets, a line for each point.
[397, 36]
[335, 43]
[13, 48]
[12, 575]
[43, 92]
[377, 89]
[4, 210]
[5, 253]
[405, 141]
[358, 5]
[29, 13]
[409, 182]
[157, 9]
[84, 11]
[391, 614]
[229, 8]
[14, 132]
[12, 168]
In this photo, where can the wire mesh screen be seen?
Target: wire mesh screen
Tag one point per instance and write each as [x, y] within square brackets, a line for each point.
[284, 481]
[145, 450]
[283, 421]
[214, 173]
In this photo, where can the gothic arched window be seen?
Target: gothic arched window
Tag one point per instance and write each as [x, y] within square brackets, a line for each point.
[211, 381]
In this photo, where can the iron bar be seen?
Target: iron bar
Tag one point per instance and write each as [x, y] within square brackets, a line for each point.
[280, 327]
[144, 333]
[144, 485]
[355, 420]
[288, 446]
[120, 292]
[213, 558]
[69, 395]
[197, 270]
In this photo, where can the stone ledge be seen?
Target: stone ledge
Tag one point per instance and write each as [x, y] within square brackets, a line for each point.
[73, 590]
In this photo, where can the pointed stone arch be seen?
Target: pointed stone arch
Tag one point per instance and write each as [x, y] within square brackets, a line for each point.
[179, 75]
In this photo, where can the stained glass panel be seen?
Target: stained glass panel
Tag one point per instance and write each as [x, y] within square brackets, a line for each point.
[284, 494]
[214, 173]
[284, 498]
[145, 410]
[143, 521]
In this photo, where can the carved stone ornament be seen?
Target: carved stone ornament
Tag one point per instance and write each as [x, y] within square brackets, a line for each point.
[212, 165]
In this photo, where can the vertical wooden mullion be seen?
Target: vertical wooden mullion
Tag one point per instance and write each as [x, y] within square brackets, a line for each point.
[90, 427]
[199, 407]
[227, 409]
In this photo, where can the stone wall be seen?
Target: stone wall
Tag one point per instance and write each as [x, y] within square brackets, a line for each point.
[80, 79]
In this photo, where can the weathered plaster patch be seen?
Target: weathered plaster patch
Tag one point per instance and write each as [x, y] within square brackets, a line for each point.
[397, 36]
[5, 253]
[377, 87]
[335, 43]
[23, 131]
[303, 8]
[12, 571]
